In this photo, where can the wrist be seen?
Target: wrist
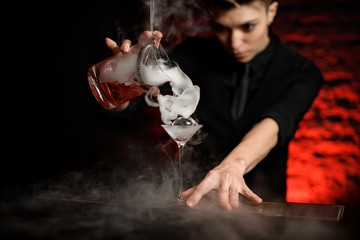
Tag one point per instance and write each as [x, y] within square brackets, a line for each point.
[240, 163]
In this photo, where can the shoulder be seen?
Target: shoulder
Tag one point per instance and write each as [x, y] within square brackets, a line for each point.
[293, 63]
[289, 58]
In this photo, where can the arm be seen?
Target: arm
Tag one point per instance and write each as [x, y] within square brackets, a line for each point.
[227, 177]
[277, 127]
[256, 145]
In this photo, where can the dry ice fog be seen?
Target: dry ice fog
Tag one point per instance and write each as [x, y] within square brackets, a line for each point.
[185, 96]
[138, 205]
[133, 198]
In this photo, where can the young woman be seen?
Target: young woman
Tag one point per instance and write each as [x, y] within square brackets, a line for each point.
[254, 92]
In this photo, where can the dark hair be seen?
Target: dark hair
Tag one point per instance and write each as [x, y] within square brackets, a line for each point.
[228, 4]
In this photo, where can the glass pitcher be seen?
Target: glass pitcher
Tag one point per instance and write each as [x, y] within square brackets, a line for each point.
[123, 77]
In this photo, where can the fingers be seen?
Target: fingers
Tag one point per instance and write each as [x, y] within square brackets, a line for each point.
[234, 197]
[147, 36]
[125, 46]
[188, 192]
[228, 189]
[224, 191]
[157, 38]
[112, 45]
[196, 193]
[250, 195]
[228, 194]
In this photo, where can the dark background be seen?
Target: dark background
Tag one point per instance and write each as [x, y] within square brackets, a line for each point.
[56, 125]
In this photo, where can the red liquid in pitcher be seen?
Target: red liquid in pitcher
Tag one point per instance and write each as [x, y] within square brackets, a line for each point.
[118, 94]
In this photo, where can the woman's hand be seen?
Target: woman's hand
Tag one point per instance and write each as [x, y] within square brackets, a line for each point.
[126, 46]
[227, 179]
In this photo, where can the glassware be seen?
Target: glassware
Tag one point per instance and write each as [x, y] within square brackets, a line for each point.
[151, 65]
[114, 82]
[123, 77]
[181, 131]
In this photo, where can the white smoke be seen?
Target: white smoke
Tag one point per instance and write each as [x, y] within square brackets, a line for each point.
[180, 19]
[119, 68]
[123, 69]
[185, 96]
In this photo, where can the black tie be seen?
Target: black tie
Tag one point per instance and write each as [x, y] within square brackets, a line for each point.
[240, 95]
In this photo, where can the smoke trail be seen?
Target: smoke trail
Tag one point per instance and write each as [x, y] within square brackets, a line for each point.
[180, 19]
[185, 96]
[119, 68]
[140, 211]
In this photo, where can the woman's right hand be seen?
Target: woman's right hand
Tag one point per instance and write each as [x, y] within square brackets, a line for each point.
[126, 46]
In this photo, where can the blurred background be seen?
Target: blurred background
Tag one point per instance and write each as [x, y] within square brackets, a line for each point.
[60, 127]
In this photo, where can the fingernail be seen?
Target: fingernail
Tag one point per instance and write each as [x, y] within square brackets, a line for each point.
[190, 203]
[126, 48]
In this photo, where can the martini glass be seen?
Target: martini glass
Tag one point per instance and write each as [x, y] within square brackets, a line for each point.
[181, 131]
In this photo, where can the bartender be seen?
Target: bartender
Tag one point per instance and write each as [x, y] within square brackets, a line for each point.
[254, 92]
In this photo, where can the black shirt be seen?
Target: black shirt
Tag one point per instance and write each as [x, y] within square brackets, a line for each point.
[282, 86]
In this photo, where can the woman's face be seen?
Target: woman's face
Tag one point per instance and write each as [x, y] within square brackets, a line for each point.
[243, 30]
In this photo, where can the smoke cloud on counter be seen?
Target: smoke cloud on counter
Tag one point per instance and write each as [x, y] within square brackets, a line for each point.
[84, 205]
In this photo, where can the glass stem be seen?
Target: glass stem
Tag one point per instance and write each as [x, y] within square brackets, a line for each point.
[181, 153]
